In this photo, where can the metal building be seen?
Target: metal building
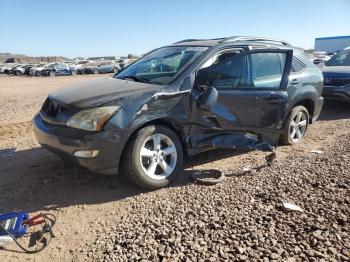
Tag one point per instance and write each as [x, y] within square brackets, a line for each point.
[332, 44]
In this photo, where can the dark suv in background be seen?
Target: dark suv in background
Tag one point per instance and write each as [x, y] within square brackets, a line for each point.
[336, 74]
[195, 95]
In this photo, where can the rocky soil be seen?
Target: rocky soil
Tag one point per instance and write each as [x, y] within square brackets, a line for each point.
[103, 218]
[243, 219]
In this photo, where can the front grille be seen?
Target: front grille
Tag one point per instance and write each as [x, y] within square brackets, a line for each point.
[52, 108]
[336, 81]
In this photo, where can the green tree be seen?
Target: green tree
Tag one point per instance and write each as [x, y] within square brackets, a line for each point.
[131, 56]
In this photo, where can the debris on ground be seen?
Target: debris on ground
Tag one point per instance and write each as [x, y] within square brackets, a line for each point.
[291, 207]
[316, 151]
[208, 177]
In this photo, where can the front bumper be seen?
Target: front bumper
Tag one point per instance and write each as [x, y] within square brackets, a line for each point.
[337, 93]
[64, 141]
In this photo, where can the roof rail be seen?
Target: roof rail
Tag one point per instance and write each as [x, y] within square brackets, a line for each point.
[188, 40]
[195, 40]
[255, 38]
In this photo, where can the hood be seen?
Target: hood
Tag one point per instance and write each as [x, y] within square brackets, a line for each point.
[336, 71]
[100, 91]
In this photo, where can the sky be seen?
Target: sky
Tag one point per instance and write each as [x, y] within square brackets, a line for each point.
[75, 28]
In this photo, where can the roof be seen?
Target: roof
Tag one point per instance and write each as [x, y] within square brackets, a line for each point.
[216, 41]
[333, 37]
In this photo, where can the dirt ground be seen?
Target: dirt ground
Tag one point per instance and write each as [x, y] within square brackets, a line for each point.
[34, 180]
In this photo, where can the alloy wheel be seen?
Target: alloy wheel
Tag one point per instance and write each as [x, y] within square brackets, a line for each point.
[158, 156]
[298, 126]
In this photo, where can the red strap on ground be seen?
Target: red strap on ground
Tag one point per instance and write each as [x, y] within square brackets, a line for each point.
[35, 220]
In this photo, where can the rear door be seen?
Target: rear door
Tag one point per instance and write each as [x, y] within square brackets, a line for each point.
[252, 87]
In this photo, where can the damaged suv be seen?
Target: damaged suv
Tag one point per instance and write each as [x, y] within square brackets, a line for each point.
[195, 95]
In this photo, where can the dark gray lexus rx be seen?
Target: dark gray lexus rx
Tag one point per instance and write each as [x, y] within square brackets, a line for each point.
[237, 92]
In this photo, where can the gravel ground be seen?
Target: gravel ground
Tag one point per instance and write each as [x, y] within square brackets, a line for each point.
[243, 219]
[105, 217]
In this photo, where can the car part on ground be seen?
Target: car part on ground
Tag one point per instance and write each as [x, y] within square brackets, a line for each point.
[194, 96]
[208, 177]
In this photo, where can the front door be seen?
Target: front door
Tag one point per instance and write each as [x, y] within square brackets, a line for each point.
[252, 91]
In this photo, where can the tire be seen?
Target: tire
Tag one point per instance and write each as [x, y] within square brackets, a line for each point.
[298, 119]
[115, 70]
[38, 74]
[139, 169]
[74, 73]
[52, 73]
[95, 71]
[18, 73]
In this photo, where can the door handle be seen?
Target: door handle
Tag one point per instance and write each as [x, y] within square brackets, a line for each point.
[294, 82]
[274, 99]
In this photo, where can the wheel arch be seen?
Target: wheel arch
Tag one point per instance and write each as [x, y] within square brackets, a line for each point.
[309, 105]
[172, 125]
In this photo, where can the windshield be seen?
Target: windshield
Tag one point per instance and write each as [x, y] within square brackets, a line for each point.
[162, 65]
[340, 59]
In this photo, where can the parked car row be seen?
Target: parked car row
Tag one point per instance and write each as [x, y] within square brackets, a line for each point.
[58, 69]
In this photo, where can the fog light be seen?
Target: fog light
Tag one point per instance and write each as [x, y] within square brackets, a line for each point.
[86, 154]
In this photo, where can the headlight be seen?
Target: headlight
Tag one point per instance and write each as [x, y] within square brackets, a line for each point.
[92, 119]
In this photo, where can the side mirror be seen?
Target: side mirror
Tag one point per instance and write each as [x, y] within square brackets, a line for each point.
[208, 98]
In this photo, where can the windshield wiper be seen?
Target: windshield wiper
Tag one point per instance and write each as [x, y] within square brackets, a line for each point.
[136, 78]
[140, 79]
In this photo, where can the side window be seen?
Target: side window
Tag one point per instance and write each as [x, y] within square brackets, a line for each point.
[226, 70]
[297, 66]
[266, 70]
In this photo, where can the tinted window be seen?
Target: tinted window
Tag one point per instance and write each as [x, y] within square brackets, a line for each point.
[230, 70]
[266, 70]
[297, 66]
[224, 70]
[340, 59]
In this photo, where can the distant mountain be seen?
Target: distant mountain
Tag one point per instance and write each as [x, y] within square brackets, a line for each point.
[18, 58]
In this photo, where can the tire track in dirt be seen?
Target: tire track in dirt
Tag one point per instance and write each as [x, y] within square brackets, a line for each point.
[14, 130]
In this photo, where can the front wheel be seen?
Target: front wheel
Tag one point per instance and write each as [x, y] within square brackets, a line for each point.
[295, 126]
[154, 158]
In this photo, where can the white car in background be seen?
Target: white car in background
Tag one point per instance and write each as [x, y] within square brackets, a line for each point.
[81, 64]
[36, 70]
[321, 57]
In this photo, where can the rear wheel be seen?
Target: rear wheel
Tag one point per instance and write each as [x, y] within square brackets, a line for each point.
[95, 71]
[52, 73]
[154, 158]
[38, 73]
[18, 73]
[295, 126]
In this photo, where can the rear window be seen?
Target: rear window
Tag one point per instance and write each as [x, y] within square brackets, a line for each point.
[297, 66]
